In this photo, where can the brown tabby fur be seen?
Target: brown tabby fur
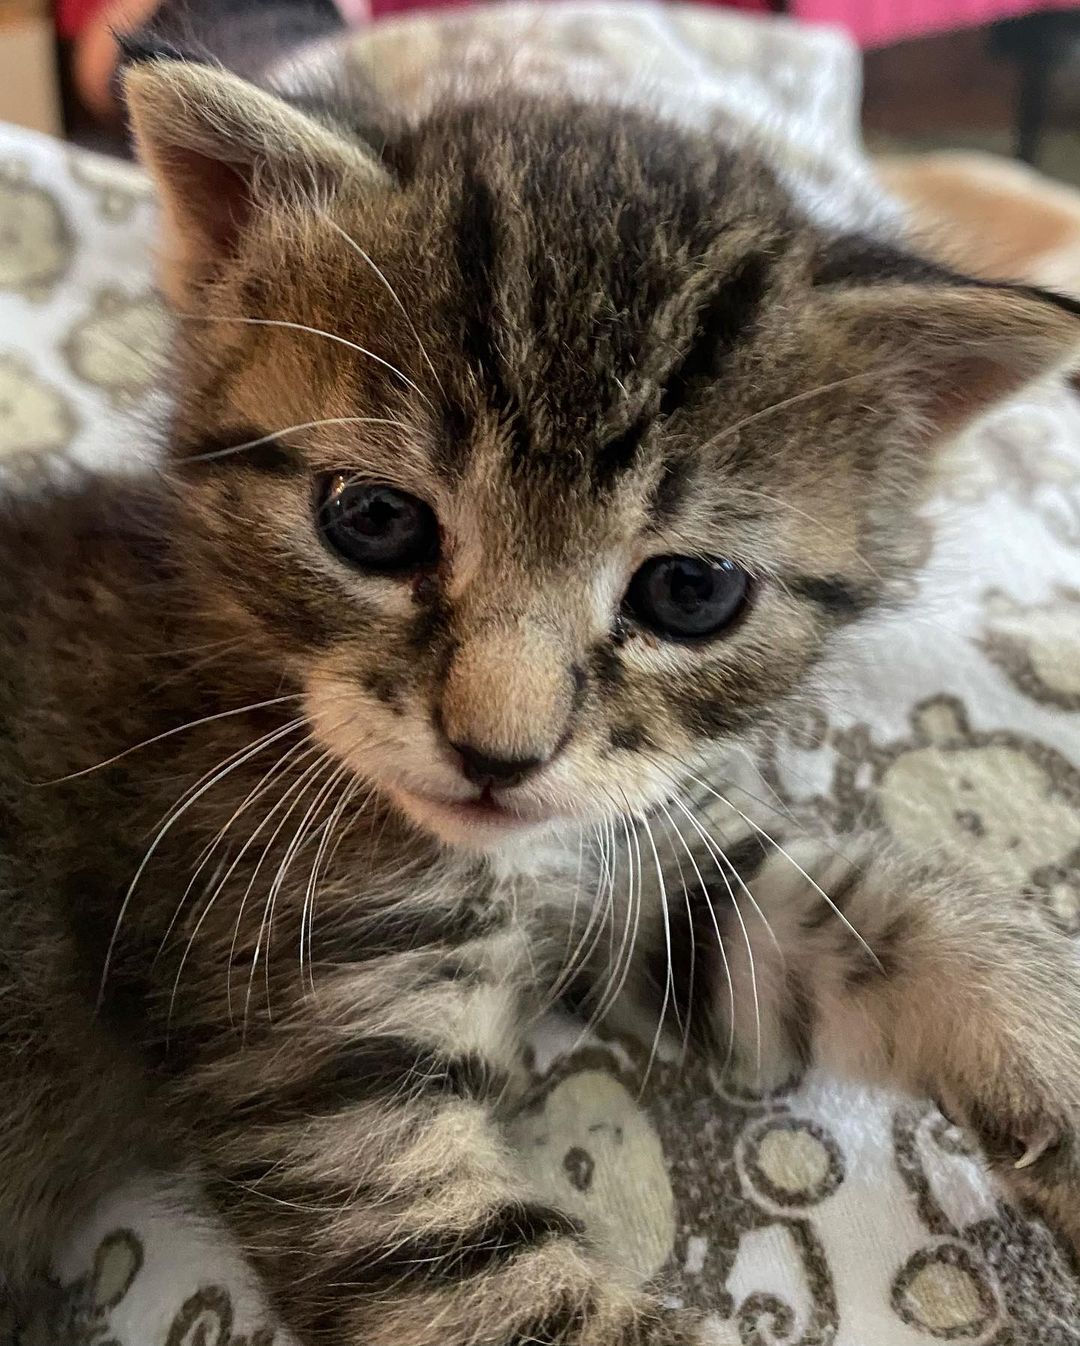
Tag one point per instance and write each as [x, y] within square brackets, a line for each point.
[247, 949]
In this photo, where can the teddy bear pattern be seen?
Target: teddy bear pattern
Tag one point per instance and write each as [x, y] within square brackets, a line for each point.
[36, 241]
[1037, 646]
[78, 1311]
[1026, 455]
[35, 416]
[742, 1205]
[119, 346]
[117, 189]
[84, 334]
[1004, 799]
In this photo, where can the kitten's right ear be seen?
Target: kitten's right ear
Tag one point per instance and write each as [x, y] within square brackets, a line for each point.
[964, 345]
[218, 148]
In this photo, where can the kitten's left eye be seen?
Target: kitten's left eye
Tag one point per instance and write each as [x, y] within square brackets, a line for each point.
[373, 526]
[687, 597]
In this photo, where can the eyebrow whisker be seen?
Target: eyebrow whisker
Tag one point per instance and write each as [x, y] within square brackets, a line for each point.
[290, 430]
[311, 331]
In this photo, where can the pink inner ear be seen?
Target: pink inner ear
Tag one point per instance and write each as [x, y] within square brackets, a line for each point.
[967, 385]
[213, 199]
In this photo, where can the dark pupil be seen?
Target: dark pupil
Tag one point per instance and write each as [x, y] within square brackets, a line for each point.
[377, 515]
[690, 586]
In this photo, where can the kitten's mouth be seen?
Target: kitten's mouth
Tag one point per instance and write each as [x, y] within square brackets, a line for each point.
[482, 817]
[485, 808]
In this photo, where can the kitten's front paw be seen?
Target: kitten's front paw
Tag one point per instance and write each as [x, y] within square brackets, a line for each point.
[1035, 1157]
[1041, 1169]
[778, 1069]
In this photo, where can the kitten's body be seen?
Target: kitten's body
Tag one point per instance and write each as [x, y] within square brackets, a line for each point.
[585, 339]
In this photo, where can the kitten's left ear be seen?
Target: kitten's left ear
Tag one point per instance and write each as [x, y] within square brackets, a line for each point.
[219, 148]
[963, 346]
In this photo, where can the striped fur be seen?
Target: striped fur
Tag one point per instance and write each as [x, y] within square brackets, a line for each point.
[236, 940]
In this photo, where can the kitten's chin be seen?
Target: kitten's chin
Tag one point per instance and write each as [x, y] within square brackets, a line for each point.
[477, 825]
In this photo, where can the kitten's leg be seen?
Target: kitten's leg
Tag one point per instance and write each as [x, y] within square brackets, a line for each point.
[356, 1153]
[969, 997]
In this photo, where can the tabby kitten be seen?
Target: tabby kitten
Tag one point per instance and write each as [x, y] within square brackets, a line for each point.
[524, 456]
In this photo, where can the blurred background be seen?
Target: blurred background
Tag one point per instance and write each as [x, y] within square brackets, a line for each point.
[997, 75]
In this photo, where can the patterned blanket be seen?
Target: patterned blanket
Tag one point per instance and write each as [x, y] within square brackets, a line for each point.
[820, 1214]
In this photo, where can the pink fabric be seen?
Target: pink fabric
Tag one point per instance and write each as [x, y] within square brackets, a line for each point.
[873, 23]
[358, 11]
[876, 23]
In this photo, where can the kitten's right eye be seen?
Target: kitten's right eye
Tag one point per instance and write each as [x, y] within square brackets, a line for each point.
[373, 526]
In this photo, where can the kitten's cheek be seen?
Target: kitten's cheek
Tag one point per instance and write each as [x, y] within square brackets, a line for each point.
[382, 743]
[353, 726]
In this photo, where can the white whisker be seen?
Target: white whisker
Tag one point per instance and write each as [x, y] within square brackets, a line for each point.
[168, 733]
[571, 924]
[305, 831]
[217, 884]
[669, 983]
[691, 975]
[311, 331]
[225, 648]
[392, 293]
[299, 784]
[163, 831]
[632, 928]
[795, 865]
[709, 846]
[716, 928]
[804, 396]
[615, 958]
[208, 850]
[720, 856]
[307, 913]
[580, 955]
[311, 776]
[290, 430]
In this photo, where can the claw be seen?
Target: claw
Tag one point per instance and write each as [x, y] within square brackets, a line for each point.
[1035, 1150]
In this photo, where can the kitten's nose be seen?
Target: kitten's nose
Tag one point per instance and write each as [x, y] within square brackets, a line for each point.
[481, 769]
[508, 701]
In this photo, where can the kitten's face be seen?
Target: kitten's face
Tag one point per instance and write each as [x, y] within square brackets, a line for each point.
[596, 468]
